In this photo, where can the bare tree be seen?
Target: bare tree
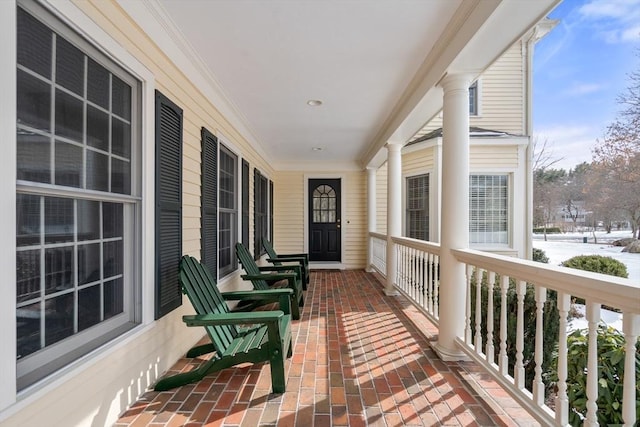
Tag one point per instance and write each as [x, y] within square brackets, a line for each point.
[617, 155]
[543, 157]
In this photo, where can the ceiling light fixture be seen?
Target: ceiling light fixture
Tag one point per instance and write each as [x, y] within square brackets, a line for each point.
[317, 148]
[314, 103]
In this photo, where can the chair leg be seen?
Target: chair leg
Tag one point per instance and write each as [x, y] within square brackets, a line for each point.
[200, 350]
[295, 307]
[278, 381]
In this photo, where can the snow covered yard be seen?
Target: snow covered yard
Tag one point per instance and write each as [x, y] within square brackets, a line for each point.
[561, 247]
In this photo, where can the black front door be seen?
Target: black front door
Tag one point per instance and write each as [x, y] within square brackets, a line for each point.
[324, 220]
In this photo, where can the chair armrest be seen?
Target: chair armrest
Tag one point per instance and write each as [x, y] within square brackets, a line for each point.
[256, 294]
[291, 267]
[286, 259]
[212, 319]
[305, 256]
[282, 296]
[267, 276]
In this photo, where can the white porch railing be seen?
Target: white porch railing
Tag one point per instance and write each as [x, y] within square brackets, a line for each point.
[500, 349]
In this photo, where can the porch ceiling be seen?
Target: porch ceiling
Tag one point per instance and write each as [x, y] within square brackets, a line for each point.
[373, 64]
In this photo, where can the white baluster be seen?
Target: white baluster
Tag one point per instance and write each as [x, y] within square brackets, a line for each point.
[467, 325]
[538, 385]
[478, 335]
[593, 317]
[490, 350]
[518, 369]
[429, 283]
[421, 276]
[562, 401]
[436, 287]
[631, 330]
[503, 361]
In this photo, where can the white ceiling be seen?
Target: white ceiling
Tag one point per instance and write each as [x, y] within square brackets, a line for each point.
[372, 63]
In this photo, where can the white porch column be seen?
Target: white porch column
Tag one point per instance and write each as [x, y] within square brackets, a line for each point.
[371, 213]
[455, 213]
[394, 211]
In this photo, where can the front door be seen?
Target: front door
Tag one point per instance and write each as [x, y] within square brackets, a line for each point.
[324, 220]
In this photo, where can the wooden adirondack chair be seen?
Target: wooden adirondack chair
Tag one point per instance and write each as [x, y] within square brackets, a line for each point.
[277, 259]
[280, 276]
[267, 339]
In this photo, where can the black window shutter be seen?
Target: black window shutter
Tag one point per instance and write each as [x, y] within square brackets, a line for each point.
[209, 202]
[256, 217]
[168, 182]
[271, 211]
[245, 203]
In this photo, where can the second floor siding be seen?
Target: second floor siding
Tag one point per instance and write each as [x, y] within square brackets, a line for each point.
[502, 97]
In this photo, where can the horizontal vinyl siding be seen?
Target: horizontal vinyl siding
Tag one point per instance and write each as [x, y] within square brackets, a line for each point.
[288, 212]
[495, 157]
[502, 96]
[502, 99]
[354, 222]
[381, 199]
[417, 162]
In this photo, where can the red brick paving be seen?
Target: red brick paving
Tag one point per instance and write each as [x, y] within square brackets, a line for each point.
[360, 359]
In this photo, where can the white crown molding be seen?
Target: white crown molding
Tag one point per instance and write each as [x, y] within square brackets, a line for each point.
[328, 166]
[154, 20]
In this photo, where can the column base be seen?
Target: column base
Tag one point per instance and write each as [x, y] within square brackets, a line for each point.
[391, 292]
[449, 355]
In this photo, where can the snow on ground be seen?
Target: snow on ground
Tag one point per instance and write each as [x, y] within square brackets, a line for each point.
[561, 247]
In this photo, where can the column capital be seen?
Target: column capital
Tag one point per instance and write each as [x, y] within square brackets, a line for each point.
[394, 147]
[456, 81]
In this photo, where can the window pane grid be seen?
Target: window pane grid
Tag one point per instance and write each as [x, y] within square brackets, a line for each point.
[67, 115]
[417, 209]
[75, 134]
[49, 274]
[324, 204]
[488, 215]
[227, 212]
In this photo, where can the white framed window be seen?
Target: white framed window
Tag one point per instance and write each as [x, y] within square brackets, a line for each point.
[78, 201]
[474, 94]
[227, 211]
[417, 207]
[489, 209]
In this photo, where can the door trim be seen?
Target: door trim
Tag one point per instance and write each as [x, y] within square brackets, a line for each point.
[343, 180]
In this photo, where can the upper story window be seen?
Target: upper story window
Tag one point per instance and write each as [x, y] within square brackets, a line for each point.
[488, 209]
[227, 211]
[417, 207]
[473, 99]
[77, 200]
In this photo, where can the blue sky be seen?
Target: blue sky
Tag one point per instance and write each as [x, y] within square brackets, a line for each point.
[579, 70]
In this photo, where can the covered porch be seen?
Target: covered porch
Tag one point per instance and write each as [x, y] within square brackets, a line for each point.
[360, 358]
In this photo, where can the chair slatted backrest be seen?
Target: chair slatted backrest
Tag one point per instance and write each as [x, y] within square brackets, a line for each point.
[271, 253]
[250, 266]
[202, 290]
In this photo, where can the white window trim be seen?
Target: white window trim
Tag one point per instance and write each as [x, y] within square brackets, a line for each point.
[509, 172]
[73, 17]
[478, 113]
[432, 212]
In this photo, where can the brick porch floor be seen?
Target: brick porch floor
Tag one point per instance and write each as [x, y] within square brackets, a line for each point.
[360, 358]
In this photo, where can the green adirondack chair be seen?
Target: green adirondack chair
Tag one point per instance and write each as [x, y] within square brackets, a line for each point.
[277, 259]
[273, 277]
[267, 338]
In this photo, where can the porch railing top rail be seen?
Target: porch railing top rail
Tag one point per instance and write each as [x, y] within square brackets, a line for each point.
[614, 291]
